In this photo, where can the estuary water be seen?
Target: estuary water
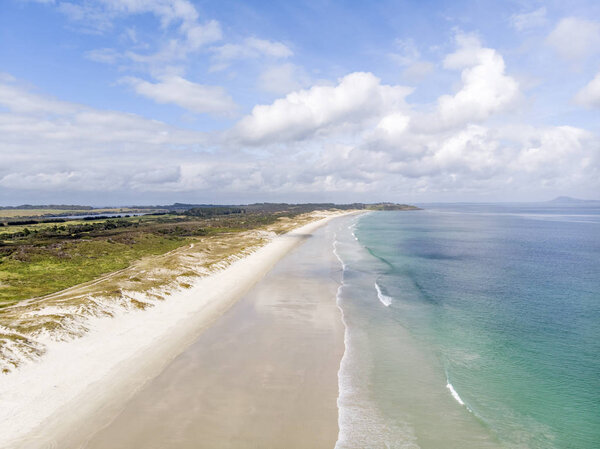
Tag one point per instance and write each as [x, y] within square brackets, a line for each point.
[471, 326]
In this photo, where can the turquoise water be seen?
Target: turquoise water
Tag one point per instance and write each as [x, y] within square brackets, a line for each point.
[471, 326]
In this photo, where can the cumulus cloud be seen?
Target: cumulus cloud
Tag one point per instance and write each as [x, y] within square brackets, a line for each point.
[574, 39]
[547, 154]
[361, 136]
[250, 48]
[357, 97]
[194, 97]
[486, 88]
[356, 139]
[589, 95]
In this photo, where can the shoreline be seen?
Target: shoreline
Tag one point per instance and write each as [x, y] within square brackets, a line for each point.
[263, 375]
[107, 371]
[345, 355]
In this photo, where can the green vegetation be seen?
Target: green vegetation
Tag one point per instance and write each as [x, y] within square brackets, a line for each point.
[390, 206]
[35, 270]
[213, 211]
[42, 256]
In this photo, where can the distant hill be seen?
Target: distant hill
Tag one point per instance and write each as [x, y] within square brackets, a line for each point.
[571, 200]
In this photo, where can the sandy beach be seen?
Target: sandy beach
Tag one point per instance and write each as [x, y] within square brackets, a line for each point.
[80, 386]
[264, 375]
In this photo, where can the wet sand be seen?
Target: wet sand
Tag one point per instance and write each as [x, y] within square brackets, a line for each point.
[262, 376]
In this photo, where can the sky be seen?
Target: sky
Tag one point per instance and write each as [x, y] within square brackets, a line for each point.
[121, 102]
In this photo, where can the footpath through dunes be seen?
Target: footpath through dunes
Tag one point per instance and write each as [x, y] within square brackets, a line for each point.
[78, 385]
[264, 375]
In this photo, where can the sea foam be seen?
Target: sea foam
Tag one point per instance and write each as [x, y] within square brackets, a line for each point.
[343, 384]
[385, 299]
[454, 393]
[456, 396]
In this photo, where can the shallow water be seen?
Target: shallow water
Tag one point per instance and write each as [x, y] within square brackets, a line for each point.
[472, 326]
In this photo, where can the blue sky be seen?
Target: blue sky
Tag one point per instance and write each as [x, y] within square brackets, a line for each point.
[150, 101]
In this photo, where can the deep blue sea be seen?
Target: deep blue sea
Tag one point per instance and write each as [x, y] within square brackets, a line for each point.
[471, 326]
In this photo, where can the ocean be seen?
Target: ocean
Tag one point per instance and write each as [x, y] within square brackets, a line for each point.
[471, 326]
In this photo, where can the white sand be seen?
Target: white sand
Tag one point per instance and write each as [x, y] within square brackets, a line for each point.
[264, 375]
[51, 400]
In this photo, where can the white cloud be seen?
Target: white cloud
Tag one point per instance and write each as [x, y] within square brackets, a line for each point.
[486, 88]
[355, 140]
[91, 18]
[529, 20]
[99, 15]
[550, 152]
[357, 97]
[20, 100]
[467, 54]
[51, 145]
[181, 92]
[283, 78]
[361, 136]
[6, 78]
[267, 48]
[199, 35]
[589, 95]
[469, 150]
[182, 31]
[50, 120]
[574, 39]
[192, 38]
[250, 48]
